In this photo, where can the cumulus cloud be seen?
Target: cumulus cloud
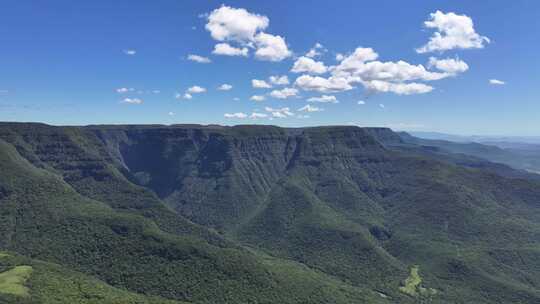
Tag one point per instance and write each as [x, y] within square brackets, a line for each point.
[124, 90]
[260, 84]
[256, 115]
[257, 98]
[279, 112]
[452, 32]
[361, 102]
[308, 65]
[397, 88]
[132, 101]
[238, 115]
[237, 25]
[225, 87]
[310, 108]
[284, 93]
[315, 51]
[227, 50]
[449, 65]
[199, 59]
[130, 52]
[185, 96]
[320, 84]
[362, 67]
[324, 99]
[196, 89]
[271, 47]
[496, 82]
[171, 114]
[279, 80]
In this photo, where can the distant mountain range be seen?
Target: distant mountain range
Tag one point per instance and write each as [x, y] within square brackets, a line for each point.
[477, 138]
[518, 152]
[261, 214]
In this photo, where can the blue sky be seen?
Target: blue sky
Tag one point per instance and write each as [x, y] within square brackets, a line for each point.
[101, 62]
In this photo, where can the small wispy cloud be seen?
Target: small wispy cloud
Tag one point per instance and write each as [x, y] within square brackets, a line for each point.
[260, 84]
[196, 90]
[124, 90]
[130, 52]
[361, 102]
[310, 108]
[238, 115]
[257, 98]
[496, 82]
[132, 101]
[199, 59]
[225, 87]
[324, 99]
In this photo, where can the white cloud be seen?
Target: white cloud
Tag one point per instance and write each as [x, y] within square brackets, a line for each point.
[225, 87]
[199, 59]
[185, 96]
[228, 50]
[156, 91]
[124, 90]
[377, 76]
[315, 51]
[132, 101]
[308, 65]
[361, 102]
[397, 88]
[453, 32]
[238, 115]
[235, 24]
[271, 47]
[496, 82]
[196, 90]
[257, 98]
[356, 60]
[339, 57]
[449, 65]
[130, 52]
[279, 113]
[324, 98]
[256, 115]
[260, 84]
[320, 84]
[284, 93]
[228, 24]
[279, 80]
[359, 65]
[310, 108]
[171, 114]
[236, 99]
[381, 106]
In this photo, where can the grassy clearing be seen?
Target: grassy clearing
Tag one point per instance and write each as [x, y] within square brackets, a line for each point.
[12, 281]
[413, 285]
[4, 255]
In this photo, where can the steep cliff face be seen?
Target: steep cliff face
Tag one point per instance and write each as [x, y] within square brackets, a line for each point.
[358, 204]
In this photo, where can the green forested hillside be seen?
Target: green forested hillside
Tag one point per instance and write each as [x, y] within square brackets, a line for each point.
[257, 214]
